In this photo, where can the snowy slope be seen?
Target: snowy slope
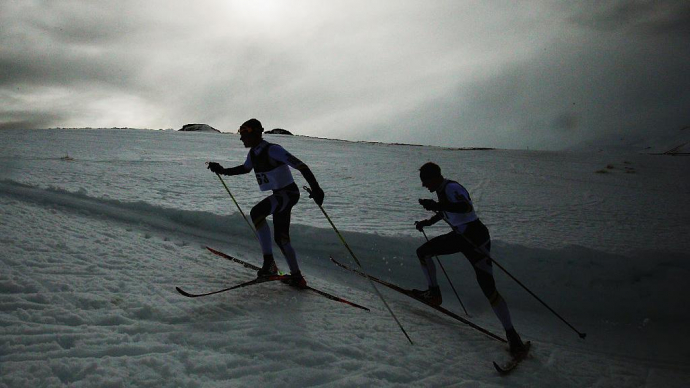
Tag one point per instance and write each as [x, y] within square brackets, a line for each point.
[87, 292]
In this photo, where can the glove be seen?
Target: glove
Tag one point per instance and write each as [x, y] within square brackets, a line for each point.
[420, 225]
[430, 204]
[317, 194]
[216, 168]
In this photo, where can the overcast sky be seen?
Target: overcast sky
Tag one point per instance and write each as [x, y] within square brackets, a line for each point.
[507, 74]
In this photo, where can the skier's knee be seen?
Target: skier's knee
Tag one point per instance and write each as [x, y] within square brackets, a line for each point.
[483, 264]
[423, 260]
[488, 286]
[495, 298]
[422, 254]
[281, 239]
[258, 218]
[259, 222]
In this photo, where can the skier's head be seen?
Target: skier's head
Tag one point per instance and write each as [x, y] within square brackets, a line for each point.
[250, 132]
[430, 175]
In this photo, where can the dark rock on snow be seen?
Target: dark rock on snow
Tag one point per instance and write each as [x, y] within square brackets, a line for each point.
[198, 128]
[279, 131]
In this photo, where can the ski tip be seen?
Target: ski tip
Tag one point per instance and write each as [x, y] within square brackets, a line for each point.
[183, 292]
[513, 363]
[504, 371]
[217, 252]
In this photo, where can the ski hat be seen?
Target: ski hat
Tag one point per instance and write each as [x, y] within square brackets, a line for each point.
[429, 170]
[251, 126]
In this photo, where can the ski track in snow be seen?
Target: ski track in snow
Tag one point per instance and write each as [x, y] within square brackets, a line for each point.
[87, 298]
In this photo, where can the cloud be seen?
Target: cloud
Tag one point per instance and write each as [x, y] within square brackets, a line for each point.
[499, 74]
[28, 121]
[581, 86]
[657, 17]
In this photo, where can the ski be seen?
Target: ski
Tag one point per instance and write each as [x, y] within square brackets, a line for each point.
[335, 298]
[514, 362]
[314, 290]
[245, 284]
[236, 260]
[409, 293]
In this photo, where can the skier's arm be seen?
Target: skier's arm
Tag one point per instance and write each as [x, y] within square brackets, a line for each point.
[436, 218]
[237, 170]
[218, 169]
[316, 191]
[420, 225]
[457, 202]
[463, 206]
[279, 153]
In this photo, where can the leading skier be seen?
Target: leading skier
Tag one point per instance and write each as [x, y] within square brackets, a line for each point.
[469, 236]
[270, 164]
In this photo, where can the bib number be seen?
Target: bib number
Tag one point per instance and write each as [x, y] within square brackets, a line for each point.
[262, 179]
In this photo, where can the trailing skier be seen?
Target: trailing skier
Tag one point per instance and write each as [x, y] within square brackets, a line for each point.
[271, 164]
[469, 236]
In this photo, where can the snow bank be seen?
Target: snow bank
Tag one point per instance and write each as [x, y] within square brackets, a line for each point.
[627, 288]
[91, 251]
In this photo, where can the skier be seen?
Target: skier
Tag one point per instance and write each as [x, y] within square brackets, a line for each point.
[270, 164]
[469, 236]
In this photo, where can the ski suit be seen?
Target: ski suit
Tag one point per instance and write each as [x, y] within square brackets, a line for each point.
[469, 236]
[271, 164]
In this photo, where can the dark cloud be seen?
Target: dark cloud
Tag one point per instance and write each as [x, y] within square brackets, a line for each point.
[540, 75]
[27, 120]
[61, 69]
[660, 17]
[563, 95]
[566, 121]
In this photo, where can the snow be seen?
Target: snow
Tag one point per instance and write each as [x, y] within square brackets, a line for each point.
[667, 141]
[92, 249]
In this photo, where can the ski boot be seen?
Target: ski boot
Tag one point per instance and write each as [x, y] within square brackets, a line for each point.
[517, 347]
[295, 280]
[268, 269]
[431, 296]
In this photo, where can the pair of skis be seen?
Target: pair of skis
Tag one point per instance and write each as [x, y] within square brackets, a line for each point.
[245, 284]
[502, 369]
[262, 280]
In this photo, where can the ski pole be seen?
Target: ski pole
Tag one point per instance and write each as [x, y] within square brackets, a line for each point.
[447, 277]
[483, 252]
[582, 335]
[238, 206]
[361, 268]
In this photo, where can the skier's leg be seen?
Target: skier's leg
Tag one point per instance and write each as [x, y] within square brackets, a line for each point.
[281, 224]
[484, 272]
[485, 278]
[441, 245]
[258, 214]
[476, 246]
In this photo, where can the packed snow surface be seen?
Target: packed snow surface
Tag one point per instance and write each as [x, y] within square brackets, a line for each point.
[97, 227]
